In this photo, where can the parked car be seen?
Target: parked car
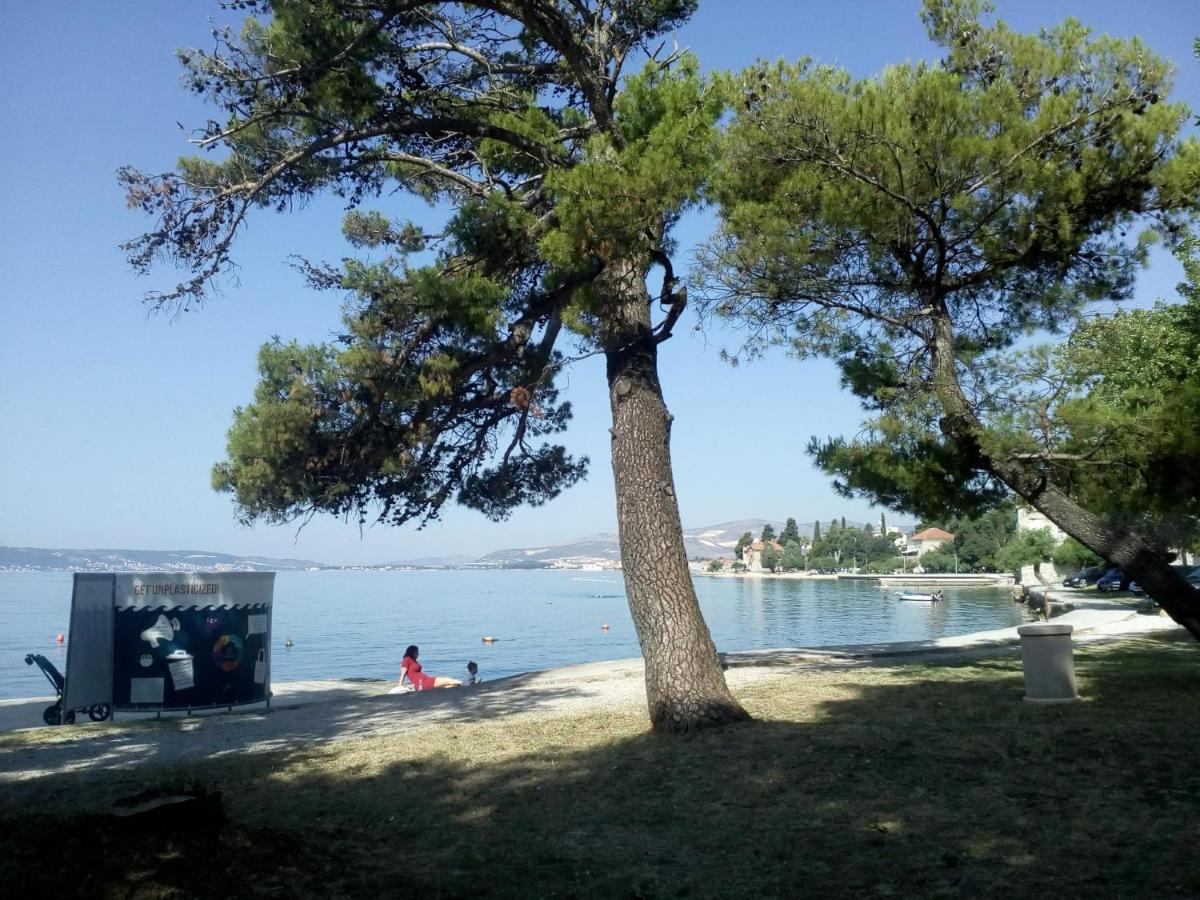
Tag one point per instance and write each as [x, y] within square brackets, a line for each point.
[1191, 574]
[1113, 580]
[1088, 576]
[1192, 579]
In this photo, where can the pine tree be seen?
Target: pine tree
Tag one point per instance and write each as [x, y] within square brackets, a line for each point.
[790, 533]
[742, 543]
[563, 176]
[959, 205]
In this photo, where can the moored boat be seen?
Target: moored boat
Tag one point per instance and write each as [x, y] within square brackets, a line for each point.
[922, 598]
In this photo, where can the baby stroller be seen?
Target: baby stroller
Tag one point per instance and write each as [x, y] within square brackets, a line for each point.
[54, 715]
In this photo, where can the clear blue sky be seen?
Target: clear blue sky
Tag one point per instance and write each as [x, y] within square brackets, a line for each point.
[111, 419]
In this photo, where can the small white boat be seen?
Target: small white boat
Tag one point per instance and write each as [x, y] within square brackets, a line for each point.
[922, 598]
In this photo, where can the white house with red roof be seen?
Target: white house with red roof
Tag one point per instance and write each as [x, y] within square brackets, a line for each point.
[752, 554]
[926, 541]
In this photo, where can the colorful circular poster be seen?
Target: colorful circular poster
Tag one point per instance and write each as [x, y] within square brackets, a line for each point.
[227, 652]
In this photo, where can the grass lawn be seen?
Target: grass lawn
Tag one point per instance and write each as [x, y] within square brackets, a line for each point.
[910, 780]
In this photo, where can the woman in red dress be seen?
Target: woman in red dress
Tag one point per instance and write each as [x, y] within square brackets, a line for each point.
[411, 669]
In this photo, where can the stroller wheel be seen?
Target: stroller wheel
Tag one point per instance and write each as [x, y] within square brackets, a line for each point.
[52, 715]
[99, 712]
[69, 717]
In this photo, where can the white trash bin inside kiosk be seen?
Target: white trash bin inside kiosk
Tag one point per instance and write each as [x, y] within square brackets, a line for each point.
[1046, 655]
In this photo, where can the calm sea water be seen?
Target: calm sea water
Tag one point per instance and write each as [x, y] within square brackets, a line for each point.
[346, 624]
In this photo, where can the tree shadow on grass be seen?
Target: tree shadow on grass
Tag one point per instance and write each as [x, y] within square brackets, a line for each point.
[923, 782]
[179, 741]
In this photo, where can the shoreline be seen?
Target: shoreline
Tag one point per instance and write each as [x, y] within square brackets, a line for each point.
[607, 681]
[323, 713]
[964, 579]
[787, 576]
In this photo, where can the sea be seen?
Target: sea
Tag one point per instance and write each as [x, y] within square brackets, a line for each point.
[356, 624]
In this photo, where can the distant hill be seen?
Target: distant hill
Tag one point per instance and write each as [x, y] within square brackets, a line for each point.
[708, 542]
[719, 540]
[597, 548]
[40, 559]
[436, 562]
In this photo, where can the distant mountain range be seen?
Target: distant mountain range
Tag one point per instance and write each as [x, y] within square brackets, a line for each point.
[436, 562]
[708, 542]
[594, 550]
[701, 543]
[143, 561]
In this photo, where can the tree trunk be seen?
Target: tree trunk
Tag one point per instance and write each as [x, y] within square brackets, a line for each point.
[1120, 546]
[685, 687]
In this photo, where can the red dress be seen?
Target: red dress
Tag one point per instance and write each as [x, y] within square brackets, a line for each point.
[420, 681]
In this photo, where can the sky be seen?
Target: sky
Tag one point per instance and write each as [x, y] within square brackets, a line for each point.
[111, 417]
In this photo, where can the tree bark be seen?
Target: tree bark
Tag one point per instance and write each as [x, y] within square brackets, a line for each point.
[1121, 546]
[685, 687]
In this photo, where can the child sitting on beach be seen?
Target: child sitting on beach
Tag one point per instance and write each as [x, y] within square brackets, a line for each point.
[473, 668]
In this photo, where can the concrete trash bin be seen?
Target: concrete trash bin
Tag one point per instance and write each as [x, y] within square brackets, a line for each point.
[1049, 664]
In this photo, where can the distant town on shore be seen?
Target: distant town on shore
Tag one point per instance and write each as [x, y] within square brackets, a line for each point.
[591, 553]
[741, 546]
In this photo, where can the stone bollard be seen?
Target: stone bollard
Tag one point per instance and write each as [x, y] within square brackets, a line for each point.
[1049, 665]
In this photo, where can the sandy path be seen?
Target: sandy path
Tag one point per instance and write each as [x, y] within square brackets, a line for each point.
[327, 711]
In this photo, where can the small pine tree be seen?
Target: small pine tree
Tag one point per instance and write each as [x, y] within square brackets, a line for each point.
[790, 533]
[743, 542]
[768, 533]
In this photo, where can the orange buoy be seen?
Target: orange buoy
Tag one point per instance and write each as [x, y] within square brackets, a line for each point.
[604, 627]
[488, 639]
[59, 639]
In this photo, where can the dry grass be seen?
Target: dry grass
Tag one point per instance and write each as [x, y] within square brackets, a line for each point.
[910, 780]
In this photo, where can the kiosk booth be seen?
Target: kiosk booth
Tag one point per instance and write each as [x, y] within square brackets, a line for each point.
[169, 641]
